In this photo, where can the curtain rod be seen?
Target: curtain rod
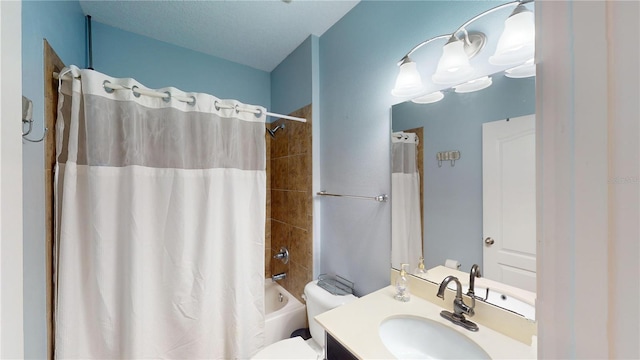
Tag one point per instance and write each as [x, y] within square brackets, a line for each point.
[163, 95]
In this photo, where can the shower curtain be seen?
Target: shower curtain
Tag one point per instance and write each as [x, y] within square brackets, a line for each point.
[406, 234]
[160, 213]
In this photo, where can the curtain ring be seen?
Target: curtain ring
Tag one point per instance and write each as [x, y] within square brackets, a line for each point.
[259, 114]
[193, 102]
[215, 103]
[107, 89]
[167, 98]
[237, 109]
[133, 90]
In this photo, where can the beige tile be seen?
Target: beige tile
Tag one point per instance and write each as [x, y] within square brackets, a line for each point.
[280, 235]
[300, 276]
[279, 173]
[280, 144]
[309, 204]
[287, 282]
[300, 139]
[295, 287]
[279, 205]
[309, 165]
[310, 226]
[301, 247]
[300, 134]
[268, 201]
[267, 249]
[269, 174]
[267, 143]
[267, 234]
[306, 113]
[297, 209]
[299, 178]
[267, 263]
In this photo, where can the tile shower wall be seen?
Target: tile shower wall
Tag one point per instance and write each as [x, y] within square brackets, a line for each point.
[289, 202]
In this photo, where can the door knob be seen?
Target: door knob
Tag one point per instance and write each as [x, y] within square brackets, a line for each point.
[489, 241]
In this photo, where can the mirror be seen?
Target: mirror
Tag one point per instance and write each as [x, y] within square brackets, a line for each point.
[446, 210]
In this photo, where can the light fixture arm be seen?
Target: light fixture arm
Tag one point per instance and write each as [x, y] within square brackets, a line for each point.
[463, 28]
[487, 12]
[406, 57]
[454, 66]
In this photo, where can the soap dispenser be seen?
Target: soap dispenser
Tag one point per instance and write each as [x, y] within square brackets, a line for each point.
[402, 284]
[420, 270]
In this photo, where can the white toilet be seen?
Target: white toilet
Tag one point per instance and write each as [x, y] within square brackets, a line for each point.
[319, 300]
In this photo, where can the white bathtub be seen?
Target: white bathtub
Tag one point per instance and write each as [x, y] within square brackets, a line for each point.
[283, 313]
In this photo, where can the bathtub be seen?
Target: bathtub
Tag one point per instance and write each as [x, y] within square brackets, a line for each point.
[283, 313]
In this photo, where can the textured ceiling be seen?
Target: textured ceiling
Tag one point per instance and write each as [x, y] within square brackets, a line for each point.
[259, 34]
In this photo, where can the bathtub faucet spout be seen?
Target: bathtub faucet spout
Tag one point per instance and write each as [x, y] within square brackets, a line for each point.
[277, 277]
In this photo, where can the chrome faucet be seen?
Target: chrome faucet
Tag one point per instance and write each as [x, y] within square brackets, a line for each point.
[283, 255]
[277, 277]
[459, 307]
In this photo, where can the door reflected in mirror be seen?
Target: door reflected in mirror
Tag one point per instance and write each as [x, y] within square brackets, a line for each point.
[493, 180]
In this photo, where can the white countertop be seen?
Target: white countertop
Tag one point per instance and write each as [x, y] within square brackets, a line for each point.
[355, 325]
[436, 274]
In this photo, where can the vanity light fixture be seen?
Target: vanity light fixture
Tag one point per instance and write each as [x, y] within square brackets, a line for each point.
[408, 82]
[517, 42]
[429, 98]
[528, 69]
[515, 46]
[453, 66]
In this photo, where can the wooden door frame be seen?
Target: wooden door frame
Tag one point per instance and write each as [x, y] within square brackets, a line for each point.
[52, 63]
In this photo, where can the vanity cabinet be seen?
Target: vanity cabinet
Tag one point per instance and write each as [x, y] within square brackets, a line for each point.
[335, 350]
[353, 329]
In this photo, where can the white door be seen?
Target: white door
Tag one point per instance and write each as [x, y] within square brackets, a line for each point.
[509, 201]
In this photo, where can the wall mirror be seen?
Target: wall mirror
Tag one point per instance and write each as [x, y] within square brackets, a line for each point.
[474, 202]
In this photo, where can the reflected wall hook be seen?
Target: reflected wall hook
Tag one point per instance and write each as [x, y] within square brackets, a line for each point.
[451, 156]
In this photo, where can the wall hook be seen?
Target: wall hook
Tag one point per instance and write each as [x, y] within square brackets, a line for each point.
[27, 117]
[44, 134]
[451, 156]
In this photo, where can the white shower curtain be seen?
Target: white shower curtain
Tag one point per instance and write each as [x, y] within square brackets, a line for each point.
[160, 212]
[406, 232]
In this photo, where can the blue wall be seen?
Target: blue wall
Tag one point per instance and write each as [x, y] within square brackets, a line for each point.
[158, 64]
[291, 85]
[62, 24]
[351, 70]
[358, 59]
[453, 195]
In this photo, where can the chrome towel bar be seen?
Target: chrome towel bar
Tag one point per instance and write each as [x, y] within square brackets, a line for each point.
[379, 198]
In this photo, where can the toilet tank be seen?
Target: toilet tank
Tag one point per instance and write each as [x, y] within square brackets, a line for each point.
[320, 300]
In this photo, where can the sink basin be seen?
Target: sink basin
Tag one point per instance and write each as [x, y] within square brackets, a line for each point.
[409, 337]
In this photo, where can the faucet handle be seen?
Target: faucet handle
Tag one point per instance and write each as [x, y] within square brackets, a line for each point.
[459, 307]
[283, 255]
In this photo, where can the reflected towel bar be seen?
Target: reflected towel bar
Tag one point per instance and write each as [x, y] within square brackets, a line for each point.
[379, 198]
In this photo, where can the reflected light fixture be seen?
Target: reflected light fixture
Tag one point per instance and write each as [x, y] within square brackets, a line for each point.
[515, 46]
[473, 85]
[429, 98]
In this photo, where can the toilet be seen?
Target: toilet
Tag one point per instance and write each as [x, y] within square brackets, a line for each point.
[318, 300]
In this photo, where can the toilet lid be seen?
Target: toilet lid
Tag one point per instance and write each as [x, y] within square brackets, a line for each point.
[293, 348]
